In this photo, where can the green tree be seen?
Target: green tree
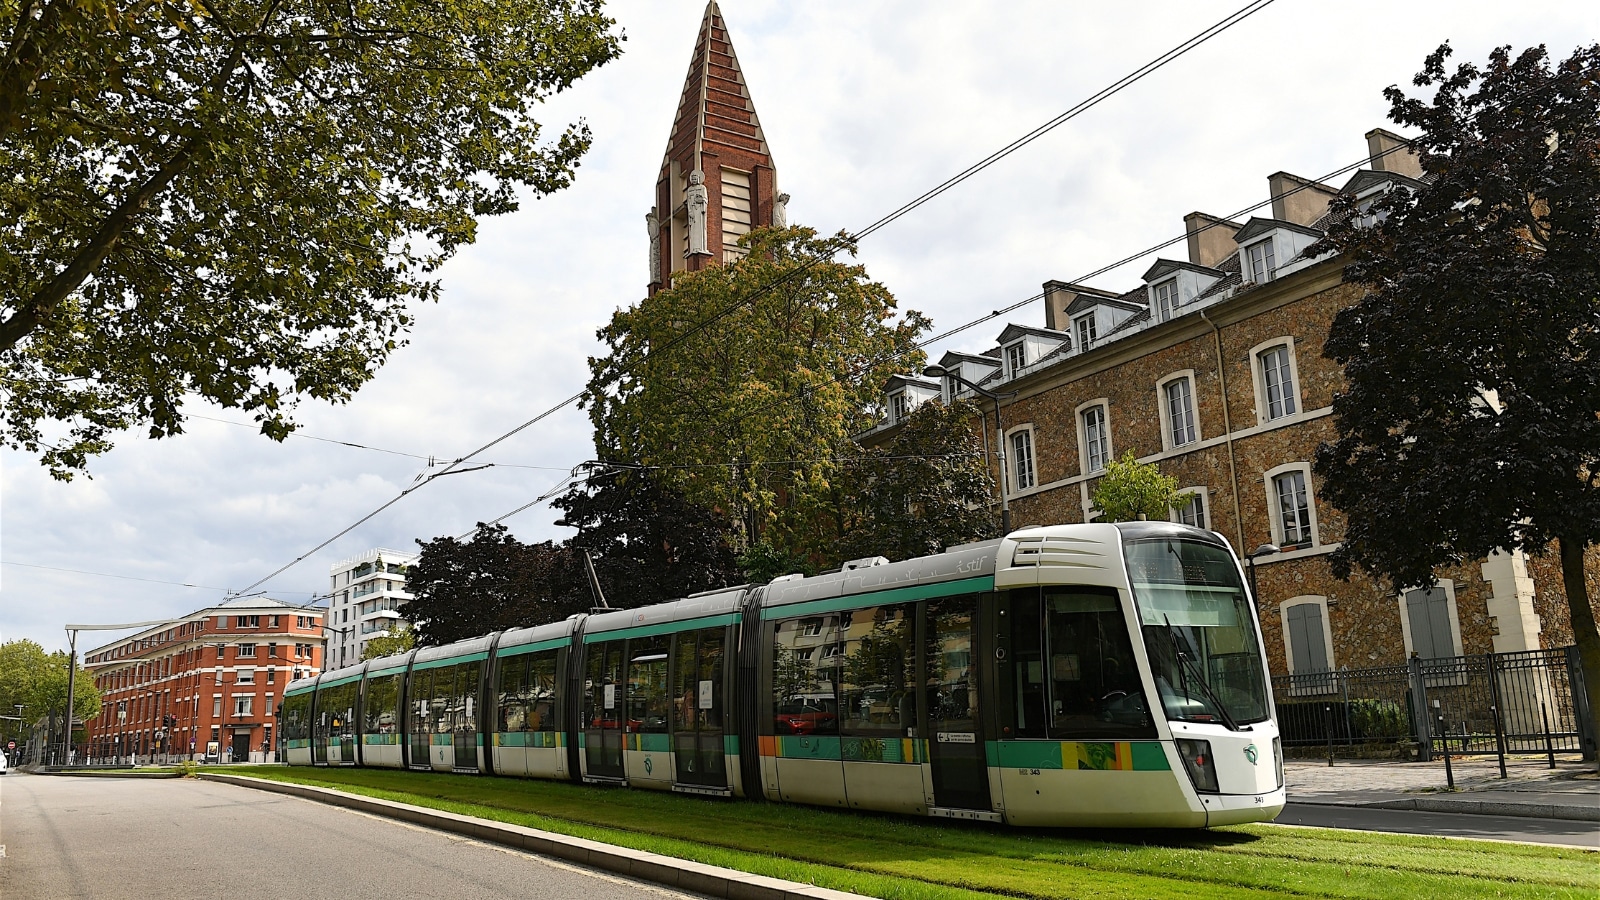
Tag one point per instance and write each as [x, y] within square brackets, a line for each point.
[746, 381]
[397, 641]
[241, 200]
[491, 582]
[1470, 420]
[649, 544]
[928, 488]
[1131, 489]
[38, 680]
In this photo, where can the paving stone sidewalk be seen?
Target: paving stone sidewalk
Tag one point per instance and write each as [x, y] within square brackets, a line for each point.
[1531, 788]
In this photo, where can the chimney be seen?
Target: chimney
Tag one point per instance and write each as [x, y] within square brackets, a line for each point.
[1057, 297]
[1210, 238]
[1298, 200]
[1392, 153]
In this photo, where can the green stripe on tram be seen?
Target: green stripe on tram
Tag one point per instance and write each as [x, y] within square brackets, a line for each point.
[1109, 756]
[663, 628]
[519, 649]
[536, 739]
[879, 598]
[451, 661]
[338, 682]
[380, 740]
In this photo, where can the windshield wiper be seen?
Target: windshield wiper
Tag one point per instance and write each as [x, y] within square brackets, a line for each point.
[1185, 661]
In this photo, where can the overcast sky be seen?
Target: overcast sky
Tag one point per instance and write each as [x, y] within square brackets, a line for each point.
[865, 105]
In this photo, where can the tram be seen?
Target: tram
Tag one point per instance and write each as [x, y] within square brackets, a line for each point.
[1072, 675]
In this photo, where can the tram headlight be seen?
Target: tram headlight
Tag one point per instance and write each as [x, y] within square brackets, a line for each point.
[1277, 757]
[1197, 759]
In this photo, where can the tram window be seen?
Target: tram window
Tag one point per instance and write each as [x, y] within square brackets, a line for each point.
[1027, 663]
[464, 701]
[649, 703]
[1094, 685]
[803, 700]
[698, 670]
[877, 681]
[539, 692]
[381, 706]
[513, 709]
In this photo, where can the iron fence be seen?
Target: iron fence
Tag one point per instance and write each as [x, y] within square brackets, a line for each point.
[1495, 703]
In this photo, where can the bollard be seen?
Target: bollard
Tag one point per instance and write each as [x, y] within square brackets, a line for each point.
[1328, 716]
[1499, 739]
[1549, 748]
[1449, 773]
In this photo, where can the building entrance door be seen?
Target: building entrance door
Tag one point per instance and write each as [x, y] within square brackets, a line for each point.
[241, 745]
[955, 739]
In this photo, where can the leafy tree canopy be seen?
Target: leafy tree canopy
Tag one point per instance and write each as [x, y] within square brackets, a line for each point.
[240, 200]
[398, 641]
[1470, 421]
[1131, 489]
[745, 381]
[38, 680]
[928, 488]
[649, 544]
[490, 582]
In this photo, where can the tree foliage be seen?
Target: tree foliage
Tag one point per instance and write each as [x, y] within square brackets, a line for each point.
[649, 544]
[927, 489]
[1131, 489]
[1470, 422]
[745, 381]
[400, 640]
[241, 200]
[490, 582]
[38, 680]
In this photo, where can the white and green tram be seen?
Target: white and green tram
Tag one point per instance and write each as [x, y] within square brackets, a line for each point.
[1074, 675]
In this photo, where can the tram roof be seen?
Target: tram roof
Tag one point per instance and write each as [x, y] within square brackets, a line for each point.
[705, 606]
[956, 564]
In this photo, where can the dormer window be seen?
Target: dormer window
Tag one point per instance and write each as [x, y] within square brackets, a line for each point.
[1016, 358]
[1260, 262]
[1166, 297]
[898, 409]
[1086, 331]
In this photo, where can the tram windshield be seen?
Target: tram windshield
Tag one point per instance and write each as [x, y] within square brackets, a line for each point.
[1198, 631]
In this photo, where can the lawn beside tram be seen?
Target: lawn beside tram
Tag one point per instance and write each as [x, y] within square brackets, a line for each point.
[905, 858]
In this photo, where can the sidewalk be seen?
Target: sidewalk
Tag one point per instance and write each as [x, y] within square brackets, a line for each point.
[1531, 788]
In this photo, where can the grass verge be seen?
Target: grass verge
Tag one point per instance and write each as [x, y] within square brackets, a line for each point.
[919, 859]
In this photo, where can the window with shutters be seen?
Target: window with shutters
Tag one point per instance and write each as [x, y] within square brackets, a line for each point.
[1308, 644]
[1431, 630]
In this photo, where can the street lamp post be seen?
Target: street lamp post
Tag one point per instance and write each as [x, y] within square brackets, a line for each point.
[999, 437]
[1250, 563]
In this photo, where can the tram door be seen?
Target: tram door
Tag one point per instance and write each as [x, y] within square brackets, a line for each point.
[465, 703]
[602, 712]
[697, 708]
[955, 740]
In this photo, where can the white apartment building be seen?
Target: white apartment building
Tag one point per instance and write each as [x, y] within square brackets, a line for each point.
[366, 594]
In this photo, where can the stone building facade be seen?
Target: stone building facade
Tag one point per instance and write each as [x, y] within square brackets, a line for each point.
[1212, 368]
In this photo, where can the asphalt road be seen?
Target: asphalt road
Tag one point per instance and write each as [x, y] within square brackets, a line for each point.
[115, 838]
[1405, 821]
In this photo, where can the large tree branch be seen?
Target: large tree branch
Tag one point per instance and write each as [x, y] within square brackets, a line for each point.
[39, 308]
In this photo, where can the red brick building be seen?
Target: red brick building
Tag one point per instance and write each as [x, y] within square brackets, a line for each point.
[717, 179]
[205, 684]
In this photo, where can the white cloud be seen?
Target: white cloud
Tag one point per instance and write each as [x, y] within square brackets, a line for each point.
[864, 107]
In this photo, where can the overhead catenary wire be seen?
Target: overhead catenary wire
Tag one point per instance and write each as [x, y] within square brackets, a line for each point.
[836, 244]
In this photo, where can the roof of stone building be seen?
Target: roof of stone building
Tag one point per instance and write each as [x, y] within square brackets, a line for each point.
[715, 107]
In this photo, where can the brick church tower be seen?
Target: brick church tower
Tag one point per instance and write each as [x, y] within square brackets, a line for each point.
[717, 178]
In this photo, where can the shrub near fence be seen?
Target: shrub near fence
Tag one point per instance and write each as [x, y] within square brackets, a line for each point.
[1518, 701]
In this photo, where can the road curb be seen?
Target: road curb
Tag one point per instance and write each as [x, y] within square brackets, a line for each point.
[700, 878]
[104, 773]
[1472, 807]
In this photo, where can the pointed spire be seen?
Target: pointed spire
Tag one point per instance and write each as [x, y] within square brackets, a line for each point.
[716, 132]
